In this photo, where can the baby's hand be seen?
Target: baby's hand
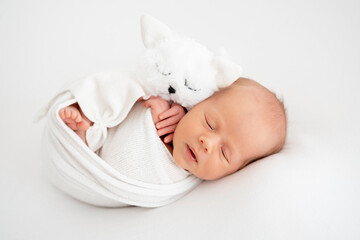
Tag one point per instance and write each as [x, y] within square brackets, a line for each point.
[165, 117]
[169, 120]
[157, 105]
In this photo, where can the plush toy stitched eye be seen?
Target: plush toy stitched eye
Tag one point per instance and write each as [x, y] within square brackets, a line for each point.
[158, 69]
[192, 89]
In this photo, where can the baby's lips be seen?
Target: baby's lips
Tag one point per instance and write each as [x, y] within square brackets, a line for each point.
[196, 155]
[193, 154]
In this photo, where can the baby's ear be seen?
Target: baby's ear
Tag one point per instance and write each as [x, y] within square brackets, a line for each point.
[226, 71]
[153, 31]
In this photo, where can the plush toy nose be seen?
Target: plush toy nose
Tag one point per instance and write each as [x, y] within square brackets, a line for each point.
[171, 90]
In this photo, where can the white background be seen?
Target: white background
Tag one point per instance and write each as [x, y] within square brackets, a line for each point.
[306, 51]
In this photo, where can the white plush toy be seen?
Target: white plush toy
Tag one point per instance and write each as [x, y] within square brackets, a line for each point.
[179, 69]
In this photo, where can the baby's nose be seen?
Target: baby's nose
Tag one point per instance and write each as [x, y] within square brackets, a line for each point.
[206, 143]
[171, 90]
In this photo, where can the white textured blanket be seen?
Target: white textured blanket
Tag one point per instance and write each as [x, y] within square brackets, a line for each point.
[106, 99]
[135, 150]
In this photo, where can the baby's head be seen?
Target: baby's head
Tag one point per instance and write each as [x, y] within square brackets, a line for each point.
[232, 128]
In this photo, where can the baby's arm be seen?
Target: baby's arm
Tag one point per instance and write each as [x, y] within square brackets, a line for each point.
[165, 116]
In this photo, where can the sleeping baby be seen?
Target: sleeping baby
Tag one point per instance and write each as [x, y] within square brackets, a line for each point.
[219, 136]
[120, 139]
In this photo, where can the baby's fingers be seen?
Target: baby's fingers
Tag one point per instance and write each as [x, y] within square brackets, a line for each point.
[168, 122]
[169, 138]
[168, 113]
[166, 130]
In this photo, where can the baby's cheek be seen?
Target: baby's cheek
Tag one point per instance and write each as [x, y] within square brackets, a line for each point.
[211, 171]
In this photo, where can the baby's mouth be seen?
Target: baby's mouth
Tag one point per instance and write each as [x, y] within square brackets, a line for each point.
[191, 154]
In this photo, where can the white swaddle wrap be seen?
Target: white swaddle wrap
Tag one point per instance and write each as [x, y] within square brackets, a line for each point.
[134, 149]
[106, 99]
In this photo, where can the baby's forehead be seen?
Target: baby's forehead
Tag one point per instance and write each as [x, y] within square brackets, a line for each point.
[244, 103]
[236, 94]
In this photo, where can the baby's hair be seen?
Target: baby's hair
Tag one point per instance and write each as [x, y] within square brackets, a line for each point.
[276, 112]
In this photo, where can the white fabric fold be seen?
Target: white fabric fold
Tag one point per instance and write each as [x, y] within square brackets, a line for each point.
[96, 136]
[106, 98]
[77, 170]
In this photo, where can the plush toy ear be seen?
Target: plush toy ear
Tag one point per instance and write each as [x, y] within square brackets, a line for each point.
[227, 71]
[153, 31]
[221, 51]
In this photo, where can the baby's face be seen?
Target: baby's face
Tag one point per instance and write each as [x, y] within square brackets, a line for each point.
[221, 134]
